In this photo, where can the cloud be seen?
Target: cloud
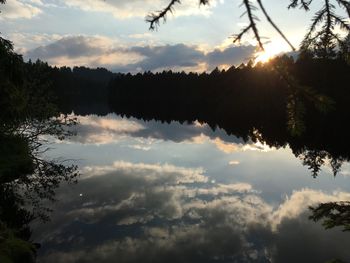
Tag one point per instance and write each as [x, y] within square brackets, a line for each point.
[222, 189]
[230, 55]
[164, 57]
[123, 9]
[158, 212]
[234, 162]
[102, 130]
[111, 128]
[226, 147]
[294, 205]
[140, 195]
[98, 51]
[69, 46]
[15, 9]
[93, 51]
[152, 172]
[23, 42]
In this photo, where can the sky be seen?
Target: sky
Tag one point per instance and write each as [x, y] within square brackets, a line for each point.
[113, 33]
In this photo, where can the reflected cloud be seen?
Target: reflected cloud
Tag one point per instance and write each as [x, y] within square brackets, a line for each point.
[299, 201]
[140, 147]
[150, 172]
[160, 212]
[234, 162]
[226, 147]
[102, 130]
[113, 128]
[258, 146]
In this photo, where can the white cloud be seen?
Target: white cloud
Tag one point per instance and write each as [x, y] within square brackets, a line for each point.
[140, 147]
[15, 9]
[112, 128]
[122, 9]
[226, 147]
[300, 200]
[23, 42]
[151, 172]
[102, 130]
[234, 162]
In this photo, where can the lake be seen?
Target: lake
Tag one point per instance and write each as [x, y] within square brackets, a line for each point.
[170, 192]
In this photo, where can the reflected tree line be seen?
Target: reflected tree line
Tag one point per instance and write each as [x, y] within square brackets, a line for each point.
[302, 103]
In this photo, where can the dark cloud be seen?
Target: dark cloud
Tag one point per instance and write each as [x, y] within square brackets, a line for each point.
[94, 50]
[168, 56]
[302, 240]
[73, 47]
[230, 56]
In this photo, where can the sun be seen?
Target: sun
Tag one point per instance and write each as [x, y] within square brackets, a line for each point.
[272, 49]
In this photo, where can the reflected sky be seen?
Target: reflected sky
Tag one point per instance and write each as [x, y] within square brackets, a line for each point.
[153, 192]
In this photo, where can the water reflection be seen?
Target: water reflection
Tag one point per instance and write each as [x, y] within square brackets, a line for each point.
[110, 128]
[152, 192]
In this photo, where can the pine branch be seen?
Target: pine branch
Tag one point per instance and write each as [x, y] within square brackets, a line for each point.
[252, 24]
[273, 24]
[303, 4]
[328, 25]
[345, 4]
[341, 22]
[154, 18]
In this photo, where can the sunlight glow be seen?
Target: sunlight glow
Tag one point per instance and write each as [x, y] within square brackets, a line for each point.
[272, 49]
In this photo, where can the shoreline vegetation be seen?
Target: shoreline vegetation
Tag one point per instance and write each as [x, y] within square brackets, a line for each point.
[27, 179]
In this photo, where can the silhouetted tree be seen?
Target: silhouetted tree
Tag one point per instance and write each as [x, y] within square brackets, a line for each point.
[26, 178]
[333, 214]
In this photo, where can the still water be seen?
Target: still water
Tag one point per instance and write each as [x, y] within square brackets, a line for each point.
[158, 192]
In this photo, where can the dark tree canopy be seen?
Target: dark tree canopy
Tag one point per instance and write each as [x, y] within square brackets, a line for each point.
[26, 177]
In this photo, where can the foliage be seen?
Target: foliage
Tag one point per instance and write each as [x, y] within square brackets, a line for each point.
[333, 214]
[14, 249]
[345, 49]
[26, 178]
